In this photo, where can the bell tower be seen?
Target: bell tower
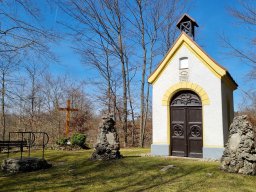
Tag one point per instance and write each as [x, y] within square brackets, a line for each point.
[187, 24]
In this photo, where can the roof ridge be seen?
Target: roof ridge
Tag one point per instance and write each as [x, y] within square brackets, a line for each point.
[200, 49]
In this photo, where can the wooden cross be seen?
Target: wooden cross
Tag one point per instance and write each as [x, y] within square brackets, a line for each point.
[68, 109]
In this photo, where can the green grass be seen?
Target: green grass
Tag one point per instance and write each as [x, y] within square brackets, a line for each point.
[72, 171]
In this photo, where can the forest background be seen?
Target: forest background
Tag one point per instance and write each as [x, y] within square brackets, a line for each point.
[99, 55]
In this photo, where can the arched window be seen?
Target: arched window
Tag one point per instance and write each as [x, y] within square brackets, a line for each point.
[184, 63]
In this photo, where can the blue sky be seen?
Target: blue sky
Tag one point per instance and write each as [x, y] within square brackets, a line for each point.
[213, 20]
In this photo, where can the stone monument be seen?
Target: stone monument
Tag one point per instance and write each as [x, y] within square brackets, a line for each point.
[107, 146]
[240, 154]
[26, 164]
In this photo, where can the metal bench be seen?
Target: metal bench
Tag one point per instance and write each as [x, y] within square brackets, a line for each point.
[25, 139]
[10, 144]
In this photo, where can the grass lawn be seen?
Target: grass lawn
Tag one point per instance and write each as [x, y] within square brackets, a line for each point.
[72, 171]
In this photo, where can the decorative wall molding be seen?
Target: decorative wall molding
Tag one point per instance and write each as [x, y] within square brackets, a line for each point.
[185, 86]
[186, 99]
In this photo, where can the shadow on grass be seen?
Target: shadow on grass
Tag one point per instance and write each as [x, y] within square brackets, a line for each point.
[131, 173]
[131, 156]
[154, 181]
[135, 182]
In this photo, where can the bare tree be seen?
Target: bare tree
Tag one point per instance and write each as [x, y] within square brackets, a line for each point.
[139, 18]
[22, 34]
[152, 33]
[105, 19]
[21, 29]
[120, 38]
[130, 77]
[54, 89]
[34, 97]
[245, 13]
[81, 118]
[148, 20]
[171, 11]
[9, 64]
[99, 56]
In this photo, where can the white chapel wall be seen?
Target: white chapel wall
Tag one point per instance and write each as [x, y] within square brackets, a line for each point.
[201, 75]
[228, 109]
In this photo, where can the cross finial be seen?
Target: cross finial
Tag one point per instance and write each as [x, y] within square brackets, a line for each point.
[187, 24]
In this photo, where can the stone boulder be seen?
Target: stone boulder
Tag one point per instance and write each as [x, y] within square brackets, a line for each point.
[107, 146]
[239, 155]
[26, 164]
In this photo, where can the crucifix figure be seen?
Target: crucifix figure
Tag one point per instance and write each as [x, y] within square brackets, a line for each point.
[68, 109]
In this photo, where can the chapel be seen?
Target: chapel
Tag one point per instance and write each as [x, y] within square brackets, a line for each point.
[192, 100]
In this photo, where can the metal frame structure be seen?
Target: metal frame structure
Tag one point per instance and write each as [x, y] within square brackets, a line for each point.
[25, 139]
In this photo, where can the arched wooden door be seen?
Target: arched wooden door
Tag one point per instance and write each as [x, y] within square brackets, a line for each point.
[186, 125]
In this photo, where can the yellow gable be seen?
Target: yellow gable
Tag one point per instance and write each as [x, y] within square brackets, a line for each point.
[213, 66]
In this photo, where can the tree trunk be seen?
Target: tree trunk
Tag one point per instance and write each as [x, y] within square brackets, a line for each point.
[121, 53]
[124, 93]
[147, 93]
[124, 98]
[3, 106]
[130, 103]
[142, 92]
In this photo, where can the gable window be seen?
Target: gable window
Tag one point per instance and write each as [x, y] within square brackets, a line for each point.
[184, 63]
